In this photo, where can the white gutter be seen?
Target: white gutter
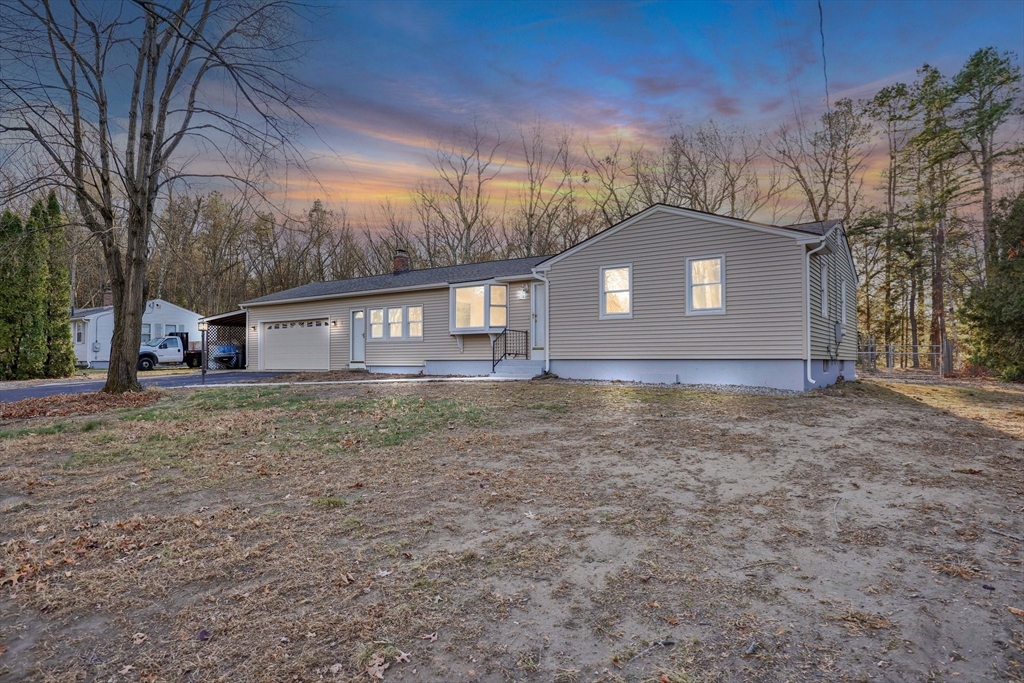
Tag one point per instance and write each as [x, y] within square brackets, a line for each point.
[547, 319]
[807, 279]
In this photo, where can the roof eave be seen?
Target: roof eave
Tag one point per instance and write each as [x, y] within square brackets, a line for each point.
[344, 295]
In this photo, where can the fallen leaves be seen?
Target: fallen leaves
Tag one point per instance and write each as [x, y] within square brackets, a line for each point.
[139, 638]
[376, 667]
[1014, 610]
[63, 405]
[430, 637]
[967, 470]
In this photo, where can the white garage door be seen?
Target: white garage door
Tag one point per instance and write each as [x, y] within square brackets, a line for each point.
[297, 345]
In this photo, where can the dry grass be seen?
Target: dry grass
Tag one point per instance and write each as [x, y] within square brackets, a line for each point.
[526, 531]
[961, 567]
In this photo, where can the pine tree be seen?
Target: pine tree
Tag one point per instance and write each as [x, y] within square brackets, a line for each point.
[34, 275]
[996, 310]
[11, 232]
[60, 353]
[23, 339]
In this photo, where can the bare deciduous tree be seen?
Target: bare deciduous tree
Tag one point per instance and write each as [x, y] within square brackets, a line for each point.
[111, 94]
[826, 165]
[457, 220]
[532, 228]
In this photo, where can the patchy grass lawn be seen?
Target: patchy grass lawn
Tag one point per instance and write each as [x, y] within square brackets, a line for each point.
[547, 531]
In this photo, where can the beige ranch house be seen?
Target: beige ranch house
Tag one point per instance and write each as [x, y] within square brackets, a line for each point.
[669, 295]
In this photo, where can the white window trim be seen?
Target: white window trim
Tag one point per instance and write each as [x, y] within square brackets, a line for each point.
[690, 310]
[823, 287]
[601, 292]
[387, 324]
[383, 324]
[486, 329]
[422, 321]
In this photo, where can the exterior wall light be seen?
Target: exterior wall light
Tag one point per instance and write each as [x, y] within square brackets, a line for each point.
[523, 292]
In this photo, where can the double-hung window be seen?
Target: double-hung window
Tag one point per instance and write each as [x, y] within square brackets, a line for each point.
[146, 336]
[498, 316]
[376, 323]
[395, 326]
[479, 308]
[396, 322]
[705, 285]
[415, 322]
[79, 332]
[617, 292]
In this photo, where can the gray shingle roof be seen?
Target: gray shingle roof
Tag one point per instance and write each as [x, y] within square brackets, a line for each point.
[815, 228]
[87, 312]
[413, 278]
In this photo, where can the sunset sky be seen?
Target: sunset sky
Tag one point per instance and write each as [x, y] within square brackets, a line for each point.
[396, 77]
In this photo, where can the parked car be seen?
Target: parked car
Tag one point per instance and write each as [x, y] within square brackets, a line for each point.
[171, 350]
[228, 355]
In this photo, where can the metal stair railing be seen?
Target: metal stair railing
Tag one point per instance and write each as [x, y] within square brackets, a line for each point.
[509, 344]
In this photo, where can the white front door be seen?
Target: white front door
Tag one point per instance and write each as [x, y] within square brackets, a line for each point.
[297, 345]
[358, 329]
[539, 315]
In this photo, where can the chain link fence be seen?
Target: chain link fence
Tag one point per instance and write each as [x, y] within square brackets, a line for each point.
[906, 359]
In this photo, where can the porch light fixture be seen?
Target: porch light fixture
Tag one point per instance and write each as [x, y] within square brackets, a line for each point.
[203, 326]
[523, 292]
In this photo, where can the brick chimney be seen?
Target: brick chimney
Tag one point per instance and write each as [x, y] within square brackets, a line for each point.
[108, 297]
[403, 264]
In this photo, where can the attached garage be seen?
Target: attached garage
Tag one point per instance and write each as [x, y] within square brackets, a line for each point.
[297, 345]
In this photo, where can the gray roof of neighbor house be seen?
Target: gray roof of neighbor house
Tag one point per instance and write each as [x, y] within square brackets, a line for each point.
[816, 228]
[89, 312]
[469, 272]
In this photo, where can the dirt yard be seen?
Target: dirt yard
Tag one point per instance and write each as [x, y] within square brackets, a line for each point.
[530, 531]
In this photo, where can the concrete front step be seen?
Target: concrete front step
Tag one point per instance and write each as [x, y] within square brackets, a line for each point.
[519, 368]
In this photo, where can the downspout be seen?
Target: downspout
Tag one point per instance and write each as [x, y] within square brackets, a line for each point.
[547, 320]
[807, 279]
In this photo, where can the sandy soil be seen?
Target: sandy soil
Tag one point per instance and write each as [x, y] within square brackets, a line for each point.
[519, 531]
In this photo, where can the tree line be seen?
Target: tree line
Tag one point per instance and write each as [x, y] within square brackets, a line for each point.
[925, 230]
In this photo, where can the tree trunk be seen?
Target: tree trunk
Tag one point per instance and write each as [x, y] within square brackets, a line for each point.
[913, 318]
[990, 237]
[129, 289]
[938, 327]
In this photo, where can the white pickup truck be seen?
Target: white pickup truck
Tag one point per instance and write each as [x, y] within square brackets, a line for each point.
[167, 351]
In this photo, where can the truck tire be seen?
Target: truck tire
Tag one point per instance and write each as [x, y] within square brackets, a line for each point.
[146, 363]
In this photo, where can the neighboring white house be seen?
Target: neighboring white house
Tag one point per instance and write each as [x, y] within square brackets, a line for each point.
[93, 328]
[668, 295]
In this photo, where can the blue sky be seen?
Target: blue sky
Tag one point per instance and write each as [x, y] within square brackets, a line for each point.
[395, 77]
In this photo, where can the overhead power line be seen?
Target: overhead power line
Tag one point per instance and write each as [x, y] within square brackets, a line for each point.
[824, 62]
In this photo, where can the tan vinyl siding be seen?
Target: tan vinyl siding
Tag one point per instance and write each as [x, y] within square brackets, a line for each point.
[764, 295]
[839, 269]
[437, 343]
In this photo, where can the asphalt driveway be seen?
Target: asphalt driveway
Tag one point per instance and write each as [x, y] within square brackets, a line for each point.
[153, 379]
